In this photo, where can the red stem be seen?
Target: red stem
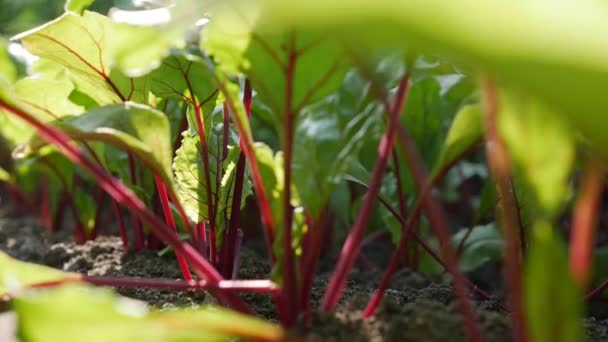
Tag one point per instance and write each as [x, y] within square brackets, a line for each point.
[586, 217]
[439, 225]
[228, 286]
[290, 294]
[45, 205]
[126, 197]
[352, 245]
[164, 200]
[137, 227]
[80, 234]
[315, 233]
[228, 252]
[246, 144]
[121, 225]
[498, 161]
[205, 156]
[201, 232]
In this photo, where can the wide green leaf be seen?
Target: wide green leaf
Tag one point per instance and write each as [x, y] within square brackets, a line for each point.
[294, 66]
[79, 313]
[47, 99]
[16, 275]
[101, 55]
[553, 301]
[521, 44]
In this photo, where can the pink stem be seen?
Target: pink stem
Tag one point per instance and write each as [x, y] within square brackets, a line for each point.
[353, 241]
[121, 225]
[123, 195]
[164, 200]
[228, 286]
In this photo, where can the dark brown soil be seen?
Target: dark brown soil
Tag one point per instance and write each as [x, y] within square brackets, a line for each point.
[416, 307]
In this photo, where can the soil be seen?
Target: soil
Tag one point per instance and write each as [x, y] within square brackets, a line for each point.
[416, 307]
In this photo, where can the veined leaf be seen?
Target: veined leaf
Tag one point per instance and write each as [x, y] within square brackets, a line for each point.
[92, 46]
[186, 78]
[520, 44]
[47, 99]
[191, 183]
[553, 301]
[16, 275]
[294, 66]
[541, 146]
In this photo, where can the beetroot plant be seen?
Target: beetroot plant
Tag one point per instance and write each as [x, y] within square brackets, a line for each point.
[464, 136]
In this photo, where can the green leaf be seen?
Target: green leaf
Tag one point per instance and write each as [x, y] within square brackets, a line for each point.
[47, 99]
[91, 47]
[432, 104]
[8, 70]
[5, 176]
[542, 147]
[520, 44]
[271, 171]
[71, 313]
[553, 301]
[16, 275]
[328, 138]
[466, 130]
[318, 61]
[77, 6]
[136, 128]
[186, 78]
[191, 180]
[484, 244]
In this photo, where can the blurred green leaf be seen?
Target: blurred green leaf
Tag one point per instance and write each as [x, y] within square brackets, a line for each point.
[521, 44]
[16, 275]
[553, 301]
[318, 61]
[76, 313]
[541, 146]
[8, 70]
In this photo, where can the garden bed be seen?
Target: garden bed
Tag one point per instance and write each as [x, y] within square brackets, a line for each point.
[416, 307]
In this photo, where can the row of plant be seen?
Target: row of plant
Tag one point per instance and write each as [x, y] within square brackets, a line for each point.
[331, 117]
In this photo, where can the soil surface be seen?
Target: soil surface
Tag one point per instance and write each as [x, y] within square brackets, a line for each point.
[416, 307]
